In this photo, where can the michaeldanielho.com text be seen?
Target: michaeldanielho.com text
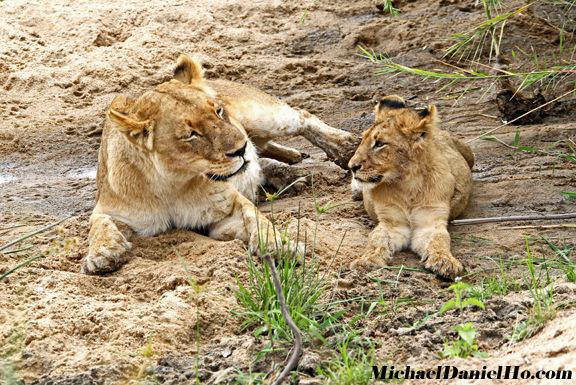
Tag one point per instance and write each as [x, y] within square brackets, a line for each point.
[452, 372]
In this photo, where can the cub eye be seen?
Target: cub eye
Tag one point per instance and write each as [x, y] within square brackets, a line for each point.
[379, 144]
[220, 112]
[191, 136]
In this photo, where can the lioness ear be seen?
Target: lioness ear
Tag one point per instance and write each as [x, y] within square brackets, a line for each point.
[128, 126]
[188, 70]
[426, 126]
[387, 104]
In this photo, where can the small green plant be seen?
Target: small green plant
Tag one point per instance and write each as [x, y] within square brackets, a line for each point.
[148, 350]
[465, 346]
[387, 6]
[460, 301]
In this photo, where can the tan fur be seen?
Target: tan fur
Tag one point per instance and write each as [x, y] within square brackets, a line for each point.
[179, 156]
[414, 177]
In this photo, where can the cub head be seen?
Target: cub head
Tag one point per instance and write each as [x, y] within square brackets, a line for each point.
[183, 127]
[395, 141]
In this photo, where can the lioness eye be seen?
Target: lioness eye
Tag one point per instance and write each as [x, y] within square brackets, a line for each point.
[379, 144]
[220, 112]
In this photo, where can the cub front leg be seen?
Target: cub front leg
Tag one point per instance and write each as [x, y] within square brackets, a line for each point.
[383, 242]
[431, 241]
[107, 245]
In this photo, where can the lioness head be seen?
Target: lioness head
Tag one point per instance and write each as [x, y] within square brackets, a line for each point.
[183, 127]
[395, 140]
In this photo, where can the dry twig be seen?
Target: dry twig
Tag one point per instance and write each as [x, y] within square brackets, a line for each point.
[297, 350]
[542, 227]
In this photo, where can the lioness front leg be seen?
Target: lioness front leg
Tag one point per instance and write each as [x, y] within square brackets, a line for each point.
[431, 241]
[383, 242]
[247, 224]
[107, 245]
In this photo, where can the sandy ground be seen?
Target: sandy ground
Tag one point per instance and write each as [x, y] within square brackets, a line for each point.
[62, 62]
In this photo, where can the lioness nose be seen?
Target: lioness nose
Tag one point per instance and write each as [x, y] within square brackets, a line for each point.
[240, 152]
[355, 167]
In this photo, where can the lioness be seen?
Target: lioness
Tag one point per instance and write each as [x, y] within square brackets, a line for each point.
[179, 156]
[414, 177]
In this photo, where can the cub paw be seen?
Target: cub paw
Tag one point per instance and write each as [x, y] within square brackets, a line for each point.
[372, 259]
[444, 265]
[106, 257]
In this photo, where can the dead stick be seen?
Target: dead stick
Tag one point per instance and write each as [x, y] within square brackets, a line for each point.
[297, 351]
[517, 218]
[31, 234]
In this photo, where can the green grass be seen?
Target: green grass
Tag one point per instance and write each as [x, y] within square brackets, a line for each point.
[352, 363]
[500, 284]
[472, 55]
[541, 287]
[259, 306]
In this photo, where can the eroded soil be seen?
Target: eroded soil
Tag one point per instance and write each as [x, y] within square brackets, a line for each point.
[62, 62]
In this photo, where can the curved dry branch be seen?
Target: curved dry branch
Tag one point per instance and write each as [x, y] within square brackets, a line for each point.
[297, 350]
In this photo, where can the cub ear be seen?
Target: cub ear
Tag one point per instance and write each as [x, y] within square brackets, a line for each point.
[387, 104]
[188, 70]
[132, 128]
[427, 124]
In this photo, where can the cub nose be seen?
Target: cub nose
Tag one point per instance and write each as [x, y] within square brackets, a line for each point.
[355, 167]
[240, 152]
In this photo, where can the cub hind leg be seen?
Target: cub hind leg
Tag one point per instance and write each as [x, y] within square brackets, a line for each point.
[338, 145]
[280, 153]
[108, 244]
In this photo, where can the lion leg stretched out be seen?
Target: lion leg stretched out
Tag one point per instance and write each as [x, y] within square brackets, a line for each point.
[414, 178]
[180, 156]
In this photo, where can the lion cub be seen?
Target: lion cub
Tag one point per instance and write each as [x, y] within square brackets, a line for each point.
[414, 178]
[179, 156]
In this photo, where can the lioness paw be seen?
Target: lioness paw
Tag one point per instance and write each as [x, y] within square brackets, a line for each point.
[372, 259]
[444, 265]
[294, 248]
[105, 258]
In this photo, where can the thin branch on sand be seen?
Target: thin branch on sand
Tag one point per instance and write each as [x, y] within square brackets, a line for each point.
[297, 349]
[514, 218]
